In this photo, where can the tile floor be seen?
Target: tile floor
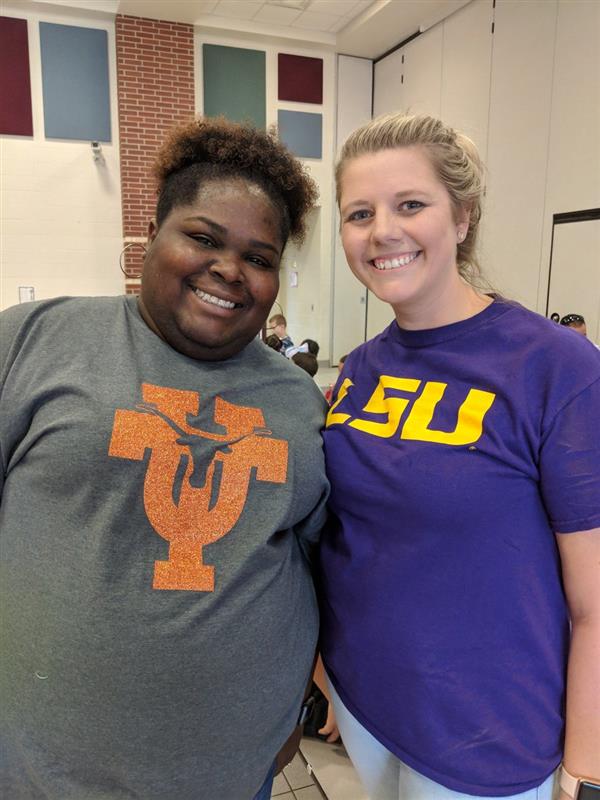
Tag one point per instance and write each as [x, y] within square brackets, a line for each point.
[320, 771]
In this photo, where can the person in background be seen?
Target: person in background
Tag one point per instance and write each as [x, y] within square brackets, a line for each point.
[307, 362]
[160, 504]
[460, 574]
[274, 342]
[576, 322]
[340, 367]
[312, 346]
[278, 325]
[307, 346]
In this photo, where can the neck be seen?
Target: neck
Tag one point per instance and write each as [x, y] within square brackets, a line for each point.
[452, 304]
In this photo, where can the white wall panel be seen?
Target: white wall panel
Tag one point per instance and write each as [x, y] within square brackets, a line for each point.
[573, 174]
[522, 65]
[349, 295]
[388, 84]
[422, 70]
[466, 70]
[410, 79]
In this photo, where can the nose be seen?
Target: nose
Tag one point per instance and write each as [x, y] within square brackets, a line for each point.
[228, 268]
[386, 226]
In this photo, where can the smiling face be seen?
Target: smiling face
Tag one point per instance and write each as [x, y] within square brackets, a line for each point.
[400, 233]
[211, 274]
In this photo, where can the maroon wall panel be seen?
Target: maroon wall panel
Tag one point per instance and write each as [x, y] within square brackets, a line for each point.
[300, 78]
[15, 86]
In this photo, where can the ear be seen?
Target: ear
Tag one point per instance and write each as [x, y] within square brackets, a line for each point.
[463, 216]
[152, 230]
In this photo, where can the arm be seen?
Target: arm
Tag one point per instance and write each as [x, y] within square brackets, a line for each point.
[291, 745]
[580, 559]
[330, 729]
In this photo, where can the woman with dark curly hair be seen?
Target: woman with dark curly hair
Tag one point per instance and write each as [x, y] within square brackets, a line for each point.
[160, 504]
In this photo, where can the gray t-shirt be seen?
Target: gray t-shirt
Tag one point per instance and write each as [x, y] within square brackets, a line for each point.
[158, 615]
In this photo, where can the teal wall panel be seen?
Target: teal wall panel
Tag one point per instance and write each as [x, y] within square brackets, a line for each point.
[234, 83]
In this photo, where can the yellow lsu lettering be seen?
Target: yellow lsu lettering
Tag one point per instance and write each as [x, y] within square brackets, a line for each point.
[469, 424]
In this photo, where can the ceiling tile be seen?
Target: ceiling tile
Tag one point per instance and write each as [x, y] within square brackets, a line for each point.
[313, 21]
[205, 6]
[341, 23]
[240, 9]
[338, 7]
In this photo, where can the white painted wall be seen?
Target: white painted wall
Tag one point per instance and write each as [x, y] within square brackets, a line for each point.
[60, 212]
[307, 306]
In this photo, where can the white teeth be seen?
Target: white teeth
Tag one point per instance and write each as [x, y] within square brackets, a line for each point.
[215, 301]
[387, 263]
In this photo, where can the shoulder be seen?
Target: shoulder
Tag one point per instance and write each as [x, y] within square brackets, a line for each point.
[57, 308]
[544, 342]
[56, 319]
[296, 385]
[547, 363]
[370, 351]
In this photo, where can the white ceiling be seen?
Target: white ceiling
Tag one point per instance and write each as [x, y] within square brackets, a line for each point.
[366, 28]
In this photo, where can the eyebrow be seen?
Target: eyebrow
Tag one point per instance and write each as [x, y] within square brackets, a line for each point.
[398, 196]
[222, 230]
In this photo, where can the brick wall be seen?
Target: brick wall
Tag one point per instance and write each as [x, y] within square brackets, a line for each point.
[155, 84]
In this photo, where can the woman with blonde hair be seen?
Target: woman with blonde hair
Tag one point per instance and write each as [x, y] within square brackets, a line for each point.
[461, 574]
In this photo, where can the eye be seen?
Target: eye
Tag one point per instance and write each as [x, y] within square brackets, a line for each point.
[358, 215]
[202, 239]
[261, 262]
[410, 206]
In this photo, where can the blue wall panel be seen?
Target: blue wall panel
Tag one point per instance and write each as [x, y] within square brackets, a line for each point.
[301, 132]
[75, 82]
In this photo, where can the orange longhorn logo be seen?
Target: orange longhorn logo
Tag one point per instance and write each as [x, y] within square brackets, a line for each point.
[197, 482]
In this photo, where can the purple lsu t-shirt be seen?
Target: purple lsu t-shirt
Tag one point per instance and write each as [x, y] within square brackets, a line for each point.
[454, 454]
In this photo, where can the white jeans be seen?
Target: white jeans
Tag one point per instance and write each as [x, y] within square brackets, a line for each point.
[385, 777]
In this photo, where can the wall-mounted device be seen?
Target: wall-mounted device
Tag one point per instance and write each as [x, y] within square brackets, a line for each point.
[97, 151]
[26, 294]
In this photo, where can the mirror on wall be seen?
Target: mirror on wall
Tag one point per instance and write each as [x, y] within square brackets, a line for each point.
[574, 278]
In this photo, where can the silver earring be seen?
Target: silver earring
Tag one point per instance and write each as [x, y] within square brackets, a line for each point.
[461, 236]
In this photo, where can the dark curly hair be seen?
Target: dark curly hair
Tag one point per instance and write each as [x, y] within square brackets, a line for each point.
[216, 149]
